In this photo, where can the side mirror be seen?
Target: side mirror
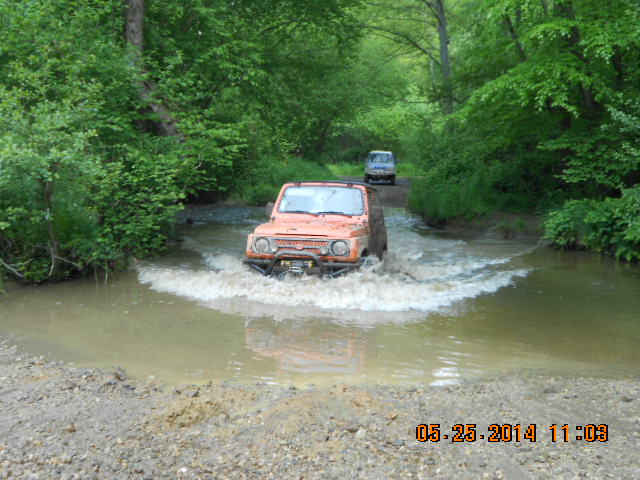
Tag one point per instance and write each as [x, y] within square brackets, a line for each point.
[269, 208]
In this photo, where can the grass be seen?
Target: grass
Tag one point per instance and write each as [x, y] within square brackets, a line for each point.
[271, 176]
[344, 169]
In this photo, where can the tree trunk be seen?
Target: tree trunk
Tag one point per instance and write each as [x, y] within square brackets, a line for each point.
[518, 15]
[515, 38]
[545, 7]
[54, 249]
[592, 106]
[134, 34]
[133, 30]
[323, 129]
[619, 67]
[445, 64]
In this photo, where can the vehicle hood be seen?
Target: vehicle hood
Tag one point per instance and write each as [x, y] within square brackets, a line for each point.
[317, 228]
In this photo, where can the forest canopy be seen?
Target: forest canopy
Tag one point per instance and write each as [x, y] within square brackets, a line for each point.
[113, 114]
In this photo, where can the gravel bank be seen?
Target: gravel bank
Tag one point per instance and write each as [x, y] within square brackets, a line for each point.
[58, 422]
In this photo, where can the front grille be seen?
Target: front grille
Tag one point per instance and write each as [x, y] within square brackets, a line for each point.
[313, 246]
[304, 243]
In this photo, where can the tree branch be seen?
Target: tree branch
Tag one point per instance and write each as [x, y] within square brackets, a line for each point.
[431, 7]
[11, 269]
[278, 25]
[401, 37]
[514, 37]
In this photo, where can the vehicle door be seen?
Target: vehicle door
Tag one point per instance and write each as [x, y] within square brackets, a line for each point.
[378, 235]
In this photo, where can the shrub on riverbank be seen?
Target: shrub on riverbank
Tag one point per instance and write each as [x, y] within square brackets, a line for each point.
[458, 188]
[356, 169]
[265, 181]
[111, 114]
[610, 226]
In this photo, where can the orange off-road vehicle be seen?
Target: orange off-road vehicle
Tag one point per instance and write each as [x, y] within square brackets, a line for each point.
[325, 227]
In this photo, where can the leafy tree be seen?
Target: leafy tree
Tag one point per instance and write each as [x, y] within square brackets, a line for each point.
[111, 114]
[421, 27]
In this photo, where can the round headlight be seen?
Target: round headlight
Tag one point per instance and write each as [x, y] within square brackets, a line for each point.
[261, 245]
[339, 248]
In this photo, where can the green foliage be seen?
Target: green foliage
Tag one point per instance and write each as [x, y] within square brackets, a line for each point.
[546, 111]
[344, 169]
[53, 101]
[508, 228]
[439, 199]
[136, 202]
[356, 169]
[86, 181]
[610, 156]
[610, 226]
[272, 173]
[465, 177]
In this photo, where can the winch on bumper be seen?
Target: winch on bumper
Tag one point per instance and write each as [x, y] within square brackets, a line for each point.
[292, 261]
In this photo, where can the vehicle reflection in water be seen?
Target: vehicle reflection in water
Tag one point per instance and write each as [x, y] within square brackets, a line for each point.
[297, 349]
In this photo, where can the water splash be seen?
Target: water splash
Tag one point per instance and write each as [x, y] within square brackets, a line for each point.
[422, 274]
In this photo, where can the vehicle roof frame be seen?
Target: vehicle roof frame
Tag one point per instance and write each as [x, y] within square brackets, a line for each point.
[342, 182]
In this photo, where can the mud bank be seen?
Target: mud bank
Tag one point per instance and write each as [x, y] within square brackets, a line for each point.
[59, 422]
[497, 226]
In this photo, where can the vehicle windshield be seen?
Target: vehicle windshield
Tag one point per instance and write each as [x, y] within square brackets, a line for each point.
[380, 157]
[319, 199]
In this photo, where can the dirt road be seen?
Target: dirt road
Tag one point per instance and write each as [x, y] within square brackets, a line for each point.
[390, 195]
[58, 422]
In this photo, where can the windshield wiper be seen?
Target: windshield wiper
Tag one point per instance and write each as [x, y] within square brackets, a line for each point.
[333, 213]
[300, 211]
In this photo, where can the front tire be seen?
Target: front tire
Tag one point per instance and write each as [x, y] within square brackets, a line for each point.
[392, 181]
[367, 179]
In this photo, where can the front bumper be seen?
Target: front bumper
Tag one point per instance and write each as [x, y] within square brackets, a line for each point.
[377, 175]
[273, 266]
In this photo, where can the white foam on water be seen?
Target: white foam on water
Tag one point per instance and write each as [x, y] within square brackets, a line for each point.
[223, 262]
[386, 287]
[421, 274]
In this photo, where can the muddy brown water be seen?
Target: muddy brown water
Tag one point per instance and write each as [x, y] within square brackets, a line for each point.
[438, 310]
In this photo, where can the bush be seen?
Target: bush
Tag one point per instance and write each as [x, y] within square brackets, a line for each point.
[270, 174]
[467, 189]
[438, 200]
[345, 169]
[610, 226]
